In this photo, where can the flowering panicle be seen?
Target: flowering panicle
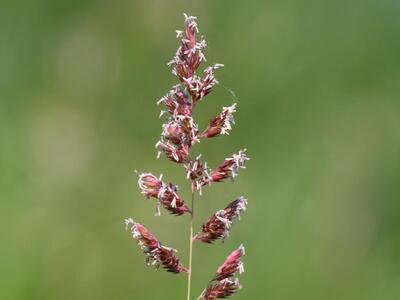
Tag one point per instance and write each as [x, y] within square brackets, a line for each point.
[166, 193]
[179, 134]
[157, 254]
[223, 284]
[219, 224]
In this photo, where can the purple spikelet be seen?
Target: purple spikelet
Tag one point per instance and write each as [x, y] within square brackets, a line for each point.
[224, 284]
[219, 224]
[157, 254]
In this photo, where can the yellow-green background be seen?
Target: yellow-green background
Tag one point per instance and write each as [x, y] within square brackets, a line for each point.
[318, 87]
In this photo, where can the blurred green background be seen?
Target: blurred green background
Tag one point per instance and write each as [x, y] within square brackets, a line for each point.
[318, 85]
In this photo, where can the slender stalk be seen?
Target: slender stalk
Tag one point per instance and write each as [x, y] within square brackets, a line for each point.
[190, 250]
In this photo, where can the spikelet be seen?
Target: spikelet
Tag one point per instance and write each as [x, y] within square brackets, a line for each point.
[157, 254]
[222, 123]
[218, 226]
[223, 284]
[166, 193]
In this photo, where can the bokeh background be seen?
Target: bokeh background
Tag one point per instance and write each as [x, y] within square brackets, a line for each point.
[317, 85]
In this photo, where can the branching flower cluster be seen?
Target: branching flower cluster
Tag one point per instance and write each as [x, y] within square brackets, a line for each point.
[179, 134]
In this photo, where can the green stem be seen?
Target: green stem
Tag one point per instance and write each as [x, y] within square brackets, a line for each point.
[190, 250]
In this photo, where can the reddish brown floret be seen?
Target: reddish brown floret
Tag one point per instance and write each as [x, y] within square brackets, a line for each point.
[232, 264]
[174, 153]
[169, 261]
[178, 136]
[174, 133]
[228, 169]
[157, 254]
[167, 194]
[218, 225]
[150, 184]
[146, 238]
[220, 124]
[195, 169]
[225, 285]
[177, 102]
[221, 290]
[171, 201]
